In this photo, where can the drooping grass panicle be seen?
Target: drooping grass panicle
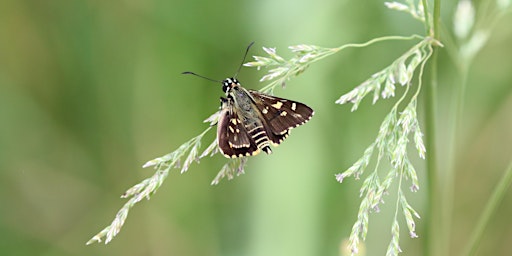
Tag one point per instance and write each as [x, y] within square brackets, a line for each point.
[409, 213]
[136, 193]
[397, 130]
[358, 167]
[399, 72]
[280, 70]
[394, 246]
[174, 159]
[180, 158]
[391, 143]
[415, 9]
[234, 166]
[149, 186]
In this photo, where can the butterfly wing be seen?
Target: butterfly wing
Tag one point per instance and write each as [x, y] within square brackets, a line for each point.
[232, 137]
[281, 115]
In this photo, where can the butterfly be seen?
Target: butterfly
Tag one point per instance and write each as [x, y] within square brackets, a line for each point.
[251, 121]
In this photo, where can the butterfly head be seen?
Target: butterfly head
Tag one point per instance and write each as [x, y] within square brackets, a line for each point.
[228, 84]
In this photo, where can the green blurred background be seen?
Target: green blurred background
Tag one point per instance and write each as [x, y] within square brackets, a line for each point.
[91, 90]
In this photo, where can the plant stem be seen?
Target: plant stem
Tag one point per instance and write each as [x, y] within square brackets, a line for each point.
[427, 17]
[489, 210]
[378, 39]
[432, 240]
[448, 185]
[454, 145]
[432, 168]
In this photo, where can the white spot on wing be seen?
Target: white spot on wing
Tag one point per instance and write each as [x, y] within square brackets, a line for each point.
[277, 105]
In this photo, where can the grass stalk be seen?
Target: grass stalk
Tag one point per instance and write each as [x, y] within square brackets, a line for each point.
[431, 161]
[432, 241]
[489, 210]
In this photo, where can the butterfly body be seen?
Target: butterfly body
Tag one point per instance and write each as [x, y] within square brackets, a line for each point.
[251, 121]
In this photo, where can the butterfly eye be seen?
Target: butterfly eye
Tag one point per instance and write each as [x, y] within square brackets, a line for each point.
[225, 86]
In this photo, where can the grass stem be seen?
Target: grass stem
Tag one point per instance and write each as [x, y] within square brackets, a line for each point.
[489, 210]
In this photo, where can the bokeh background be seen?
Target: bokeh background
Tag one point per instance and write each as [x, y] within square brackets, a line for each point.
[91, 90]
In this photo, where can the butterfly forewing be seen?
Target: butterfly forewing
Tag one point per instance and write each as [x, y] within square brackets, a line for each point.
[281, 114]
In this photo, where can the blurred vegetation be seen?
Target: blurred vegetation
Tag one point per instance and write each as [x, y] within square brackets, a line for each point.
[91, 90]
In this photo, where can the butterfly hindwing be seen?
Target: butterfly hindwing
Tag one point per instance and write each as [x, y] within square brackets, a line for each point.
[232, 137]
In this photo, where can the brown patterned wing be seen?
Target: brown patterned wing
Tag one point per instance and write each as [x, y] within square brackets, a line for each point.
[232, 137]
[281, 115]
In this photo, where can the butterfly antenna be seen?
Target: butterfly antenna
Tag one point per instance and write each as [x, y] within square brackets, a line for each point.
[207, 78]
[243, 60]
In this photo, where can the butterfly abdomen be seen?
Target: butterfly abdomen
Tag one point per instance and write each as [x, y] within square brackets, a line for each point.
[260, 137]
